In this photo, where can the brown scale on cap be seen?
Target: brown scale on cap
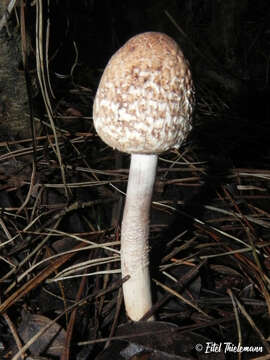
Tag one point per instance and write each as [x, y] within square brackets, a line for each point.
[145, 97]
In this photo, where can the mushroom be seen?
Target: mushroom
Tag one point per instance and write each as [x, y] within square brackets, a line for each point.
[143, 107]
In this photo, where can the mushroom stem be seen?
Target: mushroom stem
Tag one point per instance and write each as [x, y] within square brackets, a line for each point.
[134, 238]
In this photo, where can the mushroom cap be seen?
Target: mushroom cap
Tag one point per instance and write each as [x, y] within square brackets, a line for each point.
[145, 98]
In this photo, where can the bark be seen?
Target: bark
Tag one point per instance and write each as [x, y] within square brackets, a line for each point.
[14, 121]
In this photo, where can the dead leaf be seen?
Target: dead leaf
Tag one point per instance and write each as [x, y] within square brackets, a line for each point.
[50, 343]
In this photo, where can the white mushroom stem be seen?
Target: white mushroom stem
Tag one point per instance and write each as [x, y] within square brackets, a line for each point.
[134, 238]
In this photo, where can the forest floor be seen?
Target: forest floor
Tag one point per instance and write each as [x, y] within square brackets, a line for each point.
[61, 202]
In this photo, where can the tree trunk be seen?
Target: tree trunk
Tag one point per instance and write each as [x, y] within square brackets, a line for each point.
[14, 122]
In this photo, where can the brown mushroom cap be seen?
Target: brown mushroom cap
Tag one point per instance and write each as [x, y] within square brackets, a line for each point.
[145, 97]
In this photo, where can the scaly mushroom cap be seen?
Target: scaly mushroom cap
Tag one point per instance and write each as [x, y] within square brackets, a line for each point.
[145, 98]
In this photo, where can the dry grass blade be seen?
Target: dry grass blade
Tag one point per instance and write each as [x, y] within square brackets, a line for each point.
[265, 357]
[66, 353]
[237, 320]
[79, 303]
[35, 281]
[252, 323]
[182, 298]
[40, 60]
[14, 333]
[3, 21]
